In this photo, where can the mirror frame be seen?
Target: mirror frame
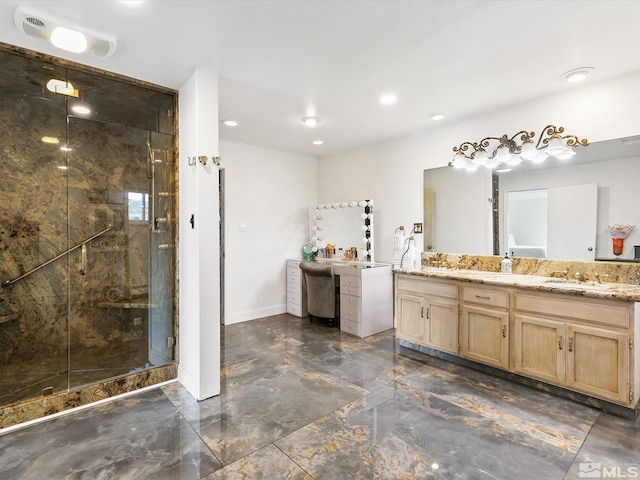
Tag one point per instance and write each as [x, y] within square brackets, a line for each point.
[366, 227]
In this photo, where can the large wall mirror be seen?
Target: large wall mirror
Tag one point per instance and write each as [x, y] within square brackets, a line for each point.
[559, 209]
[344, 225]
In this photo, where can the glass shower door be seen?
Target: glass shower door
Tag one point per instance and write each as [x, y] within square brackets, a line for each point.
[121, 281]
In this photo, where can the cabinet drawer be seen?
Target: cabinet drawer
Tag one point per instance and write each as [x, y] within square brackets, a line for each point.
[349, 271]
[417, 285]
[484, 296]
[351, 327]
[293, 264]
[606, 313]
[350, 308]
[294, 309]
[294, 287]
[293, 272]
[349, 281]
[294, 298]
[354, 291]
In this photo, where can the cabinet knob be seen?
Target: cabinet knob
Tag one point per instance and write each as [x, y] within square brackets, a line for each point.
[571, 343]
[560, 342]
[504, 330]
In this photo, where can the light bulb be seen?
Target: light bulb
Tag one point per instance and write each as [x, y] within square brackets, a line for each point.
[69, 40]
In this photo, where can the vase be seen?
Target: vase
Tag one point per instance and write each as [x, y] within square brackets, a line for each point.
[618, 246]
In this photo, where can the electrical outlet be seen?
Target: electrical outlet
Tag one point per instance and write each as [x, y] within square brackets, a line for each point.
[137, 321]
[417, 228]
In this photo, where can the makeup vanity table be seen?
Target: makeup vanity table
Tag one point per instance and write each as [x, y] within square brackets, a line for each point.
[366, 295]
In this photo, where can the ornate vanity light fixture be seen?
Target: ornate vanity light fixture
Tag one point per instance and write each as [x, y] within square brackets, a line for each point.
[493, 151]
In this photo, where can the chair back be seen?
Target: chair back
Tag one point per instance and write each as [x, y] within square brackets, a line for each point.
[320, 286]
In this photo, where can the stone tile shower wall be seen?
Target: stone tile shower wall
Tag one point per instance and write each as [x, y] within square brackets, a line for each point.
[59, 328]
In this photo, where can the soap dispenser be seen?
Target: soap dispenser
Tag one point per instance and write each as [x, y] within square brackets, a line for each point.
[506, 264]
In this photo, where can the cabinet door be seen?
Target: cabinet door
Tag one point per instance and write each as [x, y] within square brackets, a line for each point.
[410, 320]
[442, 324]
[484, 335]
[539, 348]
[598, 362]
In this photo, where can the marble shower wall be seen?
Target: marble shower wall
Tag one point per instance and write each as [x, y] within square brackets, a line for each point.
[52, 200]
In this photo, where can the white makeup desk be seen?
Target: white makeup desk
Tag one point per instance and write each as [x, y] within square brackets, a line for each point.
[366, 295]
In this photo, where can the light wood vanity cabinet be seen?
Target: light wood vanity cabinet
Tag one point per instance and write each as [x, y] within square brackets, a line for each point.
[427, 312]
[582, 344]
[484, 325]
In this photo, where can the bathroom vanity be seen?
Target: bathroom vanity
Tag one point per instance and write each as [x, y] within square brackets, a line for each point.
[579, 336]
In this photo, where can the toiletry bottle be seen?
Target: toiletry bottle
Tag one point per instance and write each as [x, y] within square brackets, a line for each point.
[506, 264]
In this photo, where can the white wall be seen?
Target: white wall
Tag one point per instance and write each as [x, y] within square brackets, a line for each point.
[198, 254]
[390, 172]
[268, 193]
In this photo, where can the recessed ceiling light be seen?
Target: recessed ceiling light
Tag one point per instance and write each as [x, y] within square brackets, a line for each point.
[51, 140]
[311, 121]
[63, 167]
[577, 74]
[503, 170]
[69, 40]
[436, 115]
[230, 123]
[388, 99]
[65, 148]
[318, 142]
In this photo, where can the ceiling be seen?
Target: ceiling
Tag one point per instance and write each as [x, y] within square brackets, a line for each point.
[279, 61]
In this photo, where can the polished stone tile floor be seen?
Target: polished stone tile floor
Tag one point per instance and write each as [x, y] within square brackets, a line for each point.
[303, 401]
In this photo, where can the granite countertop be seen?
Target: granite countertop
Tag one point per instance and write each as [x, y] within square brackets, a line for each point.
[610, 291]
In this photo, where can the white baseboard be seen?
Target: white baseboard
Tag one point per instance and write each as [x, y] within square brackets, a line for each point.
[230, 319]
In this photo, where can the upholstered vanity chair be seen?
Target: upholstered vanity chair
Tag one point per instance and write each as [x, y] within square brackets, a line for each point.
[320, 289]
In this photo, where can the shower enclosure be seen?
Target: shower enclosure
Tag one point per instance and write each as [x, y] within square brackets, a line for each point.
[87, 226]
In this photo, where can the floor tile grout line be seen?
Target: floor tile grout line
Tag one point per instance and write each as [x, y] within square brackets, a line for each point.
[294, 462]
[575, 457]
[194, 431]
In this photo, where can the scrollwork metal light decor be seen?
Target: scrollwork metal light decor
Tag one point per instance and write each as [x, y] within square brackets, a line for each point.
[491, 152]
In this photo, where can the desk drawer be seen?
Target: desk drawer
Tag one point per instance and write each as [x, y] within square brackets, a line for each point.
[350, 308]
[294, 309]
[347, 281]
[351, 327]
[349, 271]
[294, 287]
[293, 272]
[293, 264]
[295, 298]
[353, 291]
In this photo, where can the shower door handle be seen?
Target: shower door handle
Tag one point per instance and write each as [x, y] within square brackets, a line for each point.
[83, 259]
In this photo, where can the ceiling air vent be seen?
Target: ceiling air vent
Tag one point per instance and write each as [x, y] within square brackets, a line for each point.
[34, 27]
[39, 25]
